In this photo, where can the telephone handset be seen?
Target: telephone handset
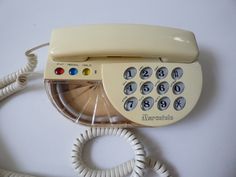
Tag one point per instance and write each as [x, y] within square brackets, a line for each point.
[123, 75]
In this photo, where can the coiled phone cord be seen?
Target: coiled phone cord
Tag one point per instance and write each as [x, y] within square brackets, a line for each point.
[135, 167]
[18, 80]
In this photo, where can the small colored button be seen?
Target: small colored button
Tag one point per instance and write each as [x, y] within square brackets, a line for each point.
[86, 71]
[73, 71]
[59, 71]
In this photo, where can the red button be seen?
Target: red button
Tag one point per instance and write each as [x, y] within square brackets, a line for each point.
[59, 71]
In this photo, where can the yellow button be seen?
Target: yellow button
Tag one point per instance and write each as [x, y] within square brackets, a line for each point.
[86, 71]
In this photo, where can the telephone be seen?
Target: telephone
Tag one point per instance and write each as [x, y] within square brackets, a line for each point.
[123, 75]
[113, 76]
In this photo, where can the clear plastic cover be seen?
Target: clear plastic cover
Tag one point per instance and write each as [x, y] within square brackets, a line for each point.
[85, 102]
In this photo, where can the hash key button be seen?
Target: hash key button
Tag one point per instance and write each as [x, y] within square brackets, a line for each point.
[177, 73]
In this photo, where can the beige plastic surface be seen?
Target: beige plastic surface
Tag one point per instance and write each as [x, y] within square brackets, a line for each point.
[99, 97]
[77, 44]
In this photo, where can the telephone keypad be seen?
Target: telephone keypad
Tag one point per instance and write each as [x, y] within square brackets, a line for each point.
[130, 73]
[177, 73]
[146, 73]
[162, 86]
[162, 73]
[147, 103]
[163, 103]
[130, 103]
[178, 88]
[130, 88]
[179, 103]
[146, 88]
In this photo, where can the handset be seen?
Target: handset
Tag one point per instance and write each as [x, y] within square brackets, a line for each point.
[123, 75]
[77, 44]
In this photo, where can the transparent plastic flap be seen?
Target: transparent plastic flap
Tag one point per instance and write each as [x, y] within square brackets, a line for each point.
[85, 102]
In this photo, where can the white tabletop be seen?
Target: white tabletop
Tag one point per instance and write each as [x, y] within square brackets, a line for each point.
[35, 138]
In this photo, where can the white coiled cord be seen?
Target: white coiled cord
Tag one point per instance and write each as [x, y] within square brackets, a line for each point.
[17, 81]
[5, 173]
[135, 167]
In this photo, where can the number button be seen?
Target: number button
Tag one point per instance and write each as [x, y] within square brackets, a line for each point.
[178, 88]
[162, 88]
[146, 73]
[146, 88]
[130, 88]
[163, 103]
[130, 73]
[177, 73]
[162, 73]
[179, 103]
[147, 103]
[130, 103]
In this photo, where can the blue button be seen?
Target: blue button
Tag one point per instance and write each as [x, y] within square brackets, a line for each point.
[73, 71]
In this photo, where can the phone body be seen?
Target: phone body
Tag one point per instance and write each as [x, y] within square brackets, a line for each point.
[123, 75]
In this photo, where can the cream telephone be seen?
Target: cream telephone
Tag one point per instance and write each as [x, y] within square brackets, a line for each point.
[123, 75]
[113, 76]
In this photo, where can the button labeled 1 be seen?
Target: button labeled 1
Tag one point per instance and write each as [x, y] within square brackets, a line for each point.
[130, 73]
[130, 103]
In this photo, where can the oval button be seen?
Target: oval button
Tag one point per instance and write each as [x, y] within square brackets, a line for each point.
[146, 73]
[163, 103]
[130, 73]
[130, 103]
[178, 88]
[130, 88]
[162, 88]
[177, 73]
[162, 73]
[179, 103]
[147, 103]
[146, 88]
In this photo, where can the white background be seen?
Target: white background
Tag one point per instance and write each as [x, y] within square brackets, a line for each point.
[35, 138]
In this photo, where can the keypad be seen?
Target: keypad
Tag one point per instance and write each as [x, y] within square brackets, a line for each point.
[139, 92]
[145, 73]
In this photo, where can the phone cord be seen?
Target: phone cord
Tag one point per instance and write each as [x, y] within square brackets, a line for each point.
[17, 81]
